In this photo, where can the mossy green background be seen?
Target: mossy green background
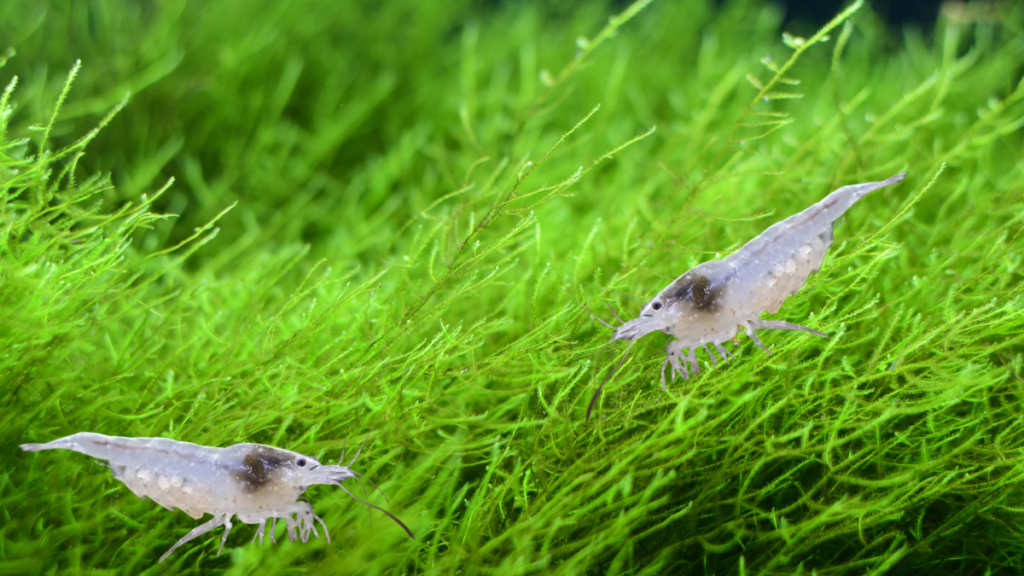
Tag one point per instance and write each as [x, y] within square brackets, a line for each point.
[387, 218]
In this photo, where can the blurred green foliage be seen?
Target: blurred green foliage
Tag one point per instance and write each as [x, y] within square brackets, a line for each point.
[386, 218]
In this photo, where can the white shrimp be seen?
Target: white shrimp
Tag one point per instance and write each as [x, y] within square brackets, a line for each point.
[707, 304]
[252, 481]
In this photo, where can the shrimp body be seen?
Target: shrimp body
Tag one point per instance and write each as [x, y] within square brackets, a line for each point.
[254, 482]
[709, 303]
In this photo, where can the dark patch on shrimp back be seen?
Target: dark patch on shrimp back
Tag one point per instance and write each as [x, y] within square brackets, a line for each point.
[258, 467]
[697, 289]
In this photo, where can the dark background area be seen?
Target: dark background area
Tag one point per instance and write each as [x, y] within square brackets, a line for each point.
[812, 14]
[896, 12]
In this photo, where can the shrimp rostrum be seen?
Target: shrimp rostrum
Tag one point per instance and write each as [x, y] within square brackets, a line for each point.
[708, 304]
[254, 482]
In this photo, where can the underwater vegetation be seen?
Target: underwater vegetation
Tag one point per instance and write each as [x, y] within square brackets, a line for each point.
[314, 221]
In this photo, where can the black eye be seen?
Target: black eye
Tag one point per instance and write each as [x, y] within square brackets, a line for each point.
[301, 462]
[656, 305]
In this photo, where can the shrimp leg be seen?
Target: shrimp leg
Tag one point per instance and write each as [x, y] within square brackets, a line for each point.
[224, 538]
[291, 524]
[216, 521]
[305, 521]
[714, 359]
[753, 336]
[673, 351]
[323, 525]
[260, 532]
[725, 353]
[691, 357]
[780, 325]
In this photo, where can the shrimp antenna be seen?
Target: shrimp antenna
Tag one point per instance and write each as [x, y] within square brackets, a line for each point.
[607, 378]
[374, 485]
[615, 314]
[365, 495]
[357, 451]
[599, 318]
[600, 353]
[389, 514]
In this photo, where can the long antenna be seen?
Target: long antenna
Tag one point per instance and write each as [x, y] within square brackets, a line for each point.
[375, 486]
[599, 318]
[600, 354]
[358, 451]
[615, 314]
[390, 515]
[607, 378]
[365, 495]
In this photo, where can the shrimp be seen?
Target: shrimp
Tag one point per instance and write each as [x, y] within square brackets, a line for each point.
[706, 305]
[254, 482]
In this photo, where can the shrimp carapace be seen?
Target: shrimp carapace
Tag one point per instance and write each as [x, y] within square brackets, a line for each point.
[254, 482]
[708, 304]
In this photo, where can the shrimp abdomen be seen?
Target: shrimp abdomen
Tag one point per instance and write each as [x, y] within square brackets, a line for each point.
[838, 202]
[88, 443]
[123, 450]
[780, 240]
[778, 262]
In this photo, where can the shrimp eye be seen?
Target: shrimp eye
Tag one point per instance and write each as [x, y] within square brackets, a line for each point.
[301, 462]
[656, 305]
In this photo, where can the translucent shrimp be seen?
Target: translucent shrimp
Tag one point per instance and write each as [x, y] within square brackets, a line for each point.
[708, 304]
[254, 482]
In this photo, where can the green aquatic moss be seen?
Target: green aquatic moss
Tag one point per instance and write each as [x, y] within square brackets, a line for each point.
[387, 220]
